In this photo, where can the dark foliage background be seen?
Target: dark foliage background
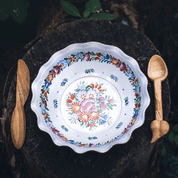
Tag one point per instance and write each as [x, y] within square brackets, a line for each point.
[157, 19]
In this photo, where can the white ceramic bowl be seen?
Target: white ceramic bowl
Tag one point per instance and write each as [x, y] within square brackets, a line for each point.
[90, 96]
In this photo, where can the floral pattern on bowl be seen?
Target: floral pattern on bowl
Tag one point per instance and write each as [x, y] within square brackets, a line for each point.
[83, 105]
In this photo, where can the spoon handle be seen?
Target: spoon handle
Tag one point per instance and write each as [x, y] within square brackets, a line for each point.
[18, 126]
[158, 100]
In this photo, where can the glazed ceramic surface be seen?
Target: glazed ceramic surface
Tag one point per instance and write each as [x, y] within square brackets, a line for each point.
[90, 96]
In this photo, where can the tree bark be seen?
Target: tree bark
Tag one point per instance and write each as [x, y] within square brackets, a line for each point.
[40, 157]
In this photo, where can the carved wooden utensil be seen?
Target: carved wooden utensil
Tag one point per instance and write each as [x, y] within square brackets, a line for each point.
[18, 120]
[157, 72]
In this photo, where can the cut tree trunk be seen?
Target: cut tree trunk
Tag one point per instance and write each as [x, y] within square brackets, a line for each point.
[40, 157]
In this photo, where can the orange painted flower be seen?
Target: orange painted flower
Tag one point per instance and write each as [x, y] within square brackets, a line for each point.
[98, 54]
[75, 107]
[97, 58]
[45, 94]
[114, 61]
[133, 120]
[72, 96]
[50, 77]
[92, 125]
[95, 115]
[69, 101]
[84, 116]
[98, 87]
[81, 145]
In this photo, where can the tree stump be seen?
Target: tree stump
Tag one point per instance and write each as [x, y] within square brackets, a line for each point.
[40, 157]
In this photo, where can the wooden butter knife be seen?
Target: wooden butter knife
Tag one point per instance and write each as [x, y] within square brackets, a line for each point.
[18, 120]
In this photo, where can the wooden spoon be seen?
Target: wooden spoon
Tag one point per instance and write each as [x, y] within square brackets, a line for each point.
[18, 120]
[157, 72]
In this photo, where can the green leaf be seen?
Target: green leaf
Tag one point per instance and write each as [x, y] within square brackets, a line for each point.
[105, 16]
[4, 13]
[19, 12]
[171, 137]
[69, 8]
[163, 153]
[176, 139]
[93, 6]
[175, 128]
[86, 13]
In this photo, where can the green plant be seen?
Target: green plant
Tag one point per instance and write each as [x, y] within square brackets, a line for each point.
[16, 8]
[91, 6]
[172, 165]
[171, 139]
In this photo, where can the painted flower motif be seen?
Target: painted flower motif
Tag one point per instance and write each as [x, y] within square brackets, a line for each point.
[57, 69]
[92, 125]
[63, 64]
[119, 63]
[128, 72]
[114, 61]
[97, 87]
[72, 97]
[137, 88]
[50, 78]
[55, 103]
[119, 136]
[106, 58]
[49, 124]
[94, 115]
[91, 94]
[137, 94]
[63, 138]
[88, 105]
[86, 57]
[74, 117]
[102, 106]
[126, 100]
[75, 108]
[47, 84]
[43, 108]
[89, 71]
[72, 58]
[98, 54]
[126, 130]
[64, 81]
[81, 95]
[79, 55]
[137, 105]
[123, 67]
[97, 58]
[119, 125]
[54, 130]
[133, 120]
[103, 119]
[102, 99]
[111, 101]
[84, 116]
[114, 78]
[81, 87]
[44, 102]
[134, 80]
[136, 113]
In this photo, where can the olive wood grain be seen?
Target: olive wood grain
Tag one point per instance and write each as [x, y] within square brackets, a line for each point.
[18, 121]
[157, 72]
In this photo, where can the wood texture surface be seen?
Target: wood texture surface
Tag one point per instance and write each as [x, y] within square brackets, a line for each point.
[18, 121]
[157, 72]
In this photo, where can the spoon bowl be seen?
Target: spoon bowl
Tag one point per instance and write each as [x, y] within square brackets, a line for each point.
[157, 68]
